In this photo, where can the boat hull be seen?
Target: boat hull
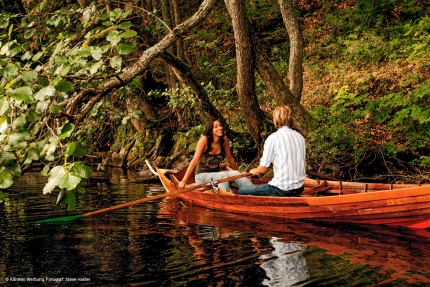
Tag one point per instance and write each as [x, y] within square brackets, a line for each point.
[400, 201]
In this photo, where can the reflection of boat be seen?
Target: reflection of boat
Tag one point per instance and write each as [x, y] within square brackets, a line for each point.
[327, 200]
[387, 249]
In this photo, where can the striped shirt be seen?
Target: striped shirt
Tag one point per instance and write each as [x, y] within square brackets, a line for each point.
[286, 149]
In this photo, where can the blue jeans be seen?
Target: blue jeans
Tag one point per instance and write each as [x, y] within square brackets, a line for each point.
[207, 176]
[268, 190]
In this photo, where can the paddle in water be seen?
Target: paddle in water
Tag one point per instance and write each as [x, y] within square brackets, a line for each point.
[203, 186]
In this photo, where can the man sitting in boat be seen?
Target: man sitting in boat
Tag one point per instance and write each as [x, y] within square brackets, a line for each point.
[211, 150]
[286, 149]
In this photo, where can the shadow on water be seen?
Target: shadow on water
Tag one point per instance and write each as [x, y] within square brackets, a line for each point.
[165, 243]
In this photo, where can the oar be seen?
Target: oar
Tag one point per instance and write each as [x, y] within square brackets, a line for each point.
[77, 216]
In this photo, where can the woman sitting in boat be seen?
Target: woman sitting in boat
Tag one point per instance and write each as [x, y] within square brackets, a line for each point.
[211, 150]
[286, 149]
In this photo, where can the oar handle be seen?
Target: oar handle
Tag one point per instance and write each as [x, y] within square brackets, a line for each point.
[158, 196]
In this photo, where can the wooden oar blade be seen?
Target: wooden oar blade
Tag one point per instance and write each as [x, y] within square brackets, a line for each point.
[56, 220]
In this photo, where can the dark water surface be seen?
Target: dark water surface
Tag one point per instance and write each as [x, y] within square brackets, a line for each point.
[165, 243]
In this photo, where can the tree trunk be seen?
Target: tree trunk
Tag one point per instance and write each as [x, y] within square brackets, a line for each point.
[279, 90]
[245, 70]
[296, 48]
[147, 57]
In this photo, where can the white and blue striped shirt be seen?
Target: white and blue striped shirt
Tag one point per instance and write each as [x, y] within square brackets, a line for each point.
[286, 149]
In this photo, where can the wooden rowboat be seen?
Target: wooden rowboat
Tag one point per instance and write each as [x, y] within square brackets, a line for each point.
[401, 204]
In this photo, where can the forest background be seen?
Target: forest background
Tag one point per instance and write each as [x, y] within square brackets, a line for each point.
[114, 83]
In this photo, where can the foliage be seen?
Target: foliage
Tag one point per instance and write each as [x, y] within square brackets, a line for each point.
[357, 125]
[43, 68]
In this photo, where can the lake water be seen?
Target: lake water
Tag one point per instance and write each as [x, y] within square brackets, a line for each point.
[166, 243]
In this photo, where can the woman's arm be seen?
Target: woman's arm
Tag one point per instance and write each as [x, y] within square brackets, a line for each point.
[201, 146]
[229, 155]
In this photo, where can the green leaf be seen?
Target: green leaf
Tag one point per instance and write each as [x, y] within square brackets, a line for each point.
[113, 38]
[54, 175]
[44, 92]
[1, 196]
[5, 179]
[33, 116]
[64, 86]
[125, 48]
[104, 16]
[107, 23]
[128, 34]
[61, 197]
[80, 190]
[21, 94]
[45, 170]
[7, 158]
[37, 56]
[3, 124]
[26, 56]
[11, 71]
[125, 25]
[69, 181]
[75, 149]
[94, 68]
[71, 201]
[82, 170]
[42, 106]
[56, 109]
[4, 105]
[19, 122]
[30, 76]
[30, 155]
[16, 138]
[4, 22]
[96, 53]
[116, 62]
[66, 131]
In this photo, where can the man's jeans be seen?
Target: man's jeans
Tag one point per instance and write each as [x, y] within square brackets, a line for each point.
[269, 190]
[208, 176]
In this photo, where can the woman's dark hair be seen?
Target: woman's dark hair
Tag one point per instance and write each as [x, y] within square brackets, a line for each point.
[208, 133]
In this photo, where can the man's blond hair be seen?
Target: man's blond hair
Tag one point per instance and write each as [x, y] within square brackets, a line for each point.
[282, 116]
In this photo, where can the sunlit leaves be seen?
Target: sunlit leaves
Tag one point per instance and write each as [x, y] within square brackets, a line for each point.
[5, 180]
[125, 48]
[21, 94]
[128, 34]
[125, 25]
[4, 105]
[54, 178]
[95, 67]
[44, 92]
[31, 155]
[37, 56]
[64, 86]
[29, 76]
[115, 62]
[82, 170]
[69, 181]
[11, 71]
[96, 53]
[4, 22]
[66, 131]
[114, 38]
[75, 149]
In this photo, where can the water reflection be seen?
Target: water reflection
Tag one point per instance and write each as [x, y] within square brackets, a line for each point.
[165, 243]
[285, 265]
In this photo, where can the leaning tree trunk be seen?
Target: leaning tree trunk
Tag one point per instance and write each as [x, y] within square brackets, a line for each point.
[296, 47]
[279, 90]
[147, 56]
[245, 70]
